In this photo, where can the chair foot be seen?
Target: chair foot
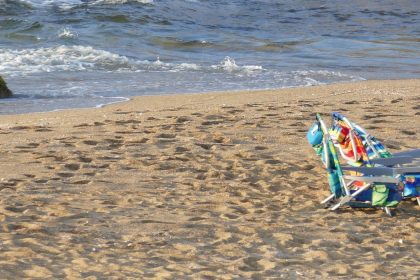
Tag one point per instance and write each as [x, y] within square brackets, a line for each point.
[344, 200]
[388, 211]
[329, 204]
[328, 199]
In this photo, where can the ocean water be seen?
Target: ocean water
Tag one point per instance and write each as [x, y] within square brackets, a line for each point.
[86, 53]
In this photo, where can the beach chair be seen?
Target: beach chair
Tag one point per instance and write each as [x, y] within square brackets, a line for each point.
[356, 189]
[359, 148]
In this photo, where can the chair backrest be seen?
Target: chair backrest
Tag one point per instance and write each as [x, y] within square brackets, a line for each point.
[349, 141]
[374, 148]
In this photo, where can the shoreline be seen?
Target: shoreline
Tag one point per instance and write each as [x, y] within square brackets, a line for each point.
[211, 186]
[129, 98]
[286, 89]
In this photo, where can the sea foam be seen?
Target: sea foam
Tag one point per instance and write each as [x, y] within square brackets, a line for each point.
[66, 4]
[228, 64]
[67, 33]
[61, 58]
[87, 58]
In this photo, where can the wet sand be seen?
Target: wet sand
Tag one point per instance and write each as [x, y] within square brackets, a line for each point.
[209, 186]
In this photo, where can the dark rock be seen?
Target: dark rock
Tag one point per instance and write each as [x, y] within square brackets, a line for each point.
[4, 90]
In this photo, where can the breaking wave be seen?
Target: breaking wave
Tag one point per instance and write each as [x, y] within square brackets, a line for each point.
[87, 58]
[61, 58]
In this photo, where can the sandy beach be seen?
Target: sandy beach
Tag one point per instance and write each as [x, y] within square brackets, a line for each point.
[204, 186]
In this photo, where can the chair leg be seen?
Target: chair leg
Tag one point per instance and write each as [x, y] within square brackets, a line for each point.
[418, 200]
[388, 211]
[328, 199]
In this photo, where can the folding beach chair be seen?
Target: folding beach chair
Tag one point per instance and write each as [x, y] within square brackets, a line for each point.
[353, 190]
[359, 148]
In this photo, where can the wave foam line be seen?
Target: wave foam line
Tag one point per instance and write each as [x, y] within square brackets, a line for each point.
[62, 58]
[87, 58]
[68, 4]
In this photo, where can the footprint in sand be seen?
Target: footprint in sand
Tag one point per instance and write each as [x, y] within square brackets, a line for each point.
[85, 159]
[221, 139]
[396, 100]
[214, 117]
[101, 166]
[351, 102]
[205, 146]
[41, 181]
[273, 108]
[368, 117]
[260, 148]
[119, 112]
[300, 124]
[127, 122]
[90, 142]
[212, 122]
[166, 136]
[82, 125]
[65, 174]
[235, 111]
[180, 150]
[72, 166]
[166, 166]
[115, 143]
[81, 182]
[273, 161]
[28, 146]
[408, 132]
[343, 110]
[251, 264]
[380, 121]
[43, 129]
[183, 119]
[253, 104]
[196, 219]
[229, 216]
[164, 139]
[21, 127]
[149, 131]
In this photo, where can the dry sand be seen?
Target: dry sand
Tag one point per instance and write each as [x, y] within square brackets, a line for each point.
[210, 186]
